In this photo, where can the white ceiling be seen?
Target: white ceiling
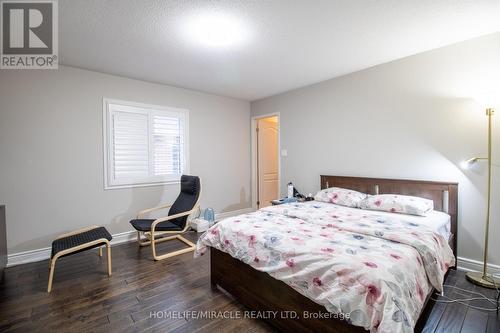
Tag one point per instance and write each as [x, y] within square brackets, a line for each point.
[289, 44]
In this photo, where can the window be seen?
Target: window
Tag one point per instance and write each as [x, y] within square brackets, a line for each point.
[144, 144]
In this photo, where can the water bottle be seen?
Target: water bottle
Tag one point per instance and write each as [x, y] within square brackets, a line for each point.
[209, 215]
[290, 190]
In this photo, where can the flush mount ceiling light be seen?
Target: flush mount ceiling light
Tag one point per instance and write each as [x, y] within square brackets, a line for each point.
[216, 30]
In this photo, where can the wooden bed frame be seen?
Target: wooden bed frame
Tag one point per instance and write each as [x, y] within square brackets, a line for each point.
[259, 291]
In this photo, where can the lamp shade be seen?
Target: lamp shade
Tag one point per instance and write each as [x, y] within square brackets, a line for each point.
[489, 99]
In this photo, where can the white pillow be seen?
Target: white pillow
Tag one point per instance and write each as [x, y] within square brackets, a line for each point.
[395, 203]
[340, 196]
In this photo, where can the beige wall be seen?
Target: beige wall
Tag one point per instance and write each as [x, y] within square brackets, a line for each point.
[411, 118]
[51, 153]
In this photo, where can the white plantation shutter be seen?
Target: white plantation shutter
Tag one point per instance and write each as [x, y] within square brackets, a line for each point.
[130, 145]
[168, 142]
[145, 145]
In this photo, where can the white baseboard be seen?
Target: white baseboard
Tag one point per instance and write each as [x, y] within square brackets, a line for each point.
[124, 237]
[26, 257]
[470, 265]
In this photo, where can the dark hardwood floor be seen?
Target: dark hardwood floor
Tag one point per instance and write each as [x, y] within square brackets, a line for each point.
[84, 299]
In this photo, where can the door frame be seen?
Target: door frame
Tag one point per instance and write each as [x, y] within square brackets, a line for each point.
[254, 154]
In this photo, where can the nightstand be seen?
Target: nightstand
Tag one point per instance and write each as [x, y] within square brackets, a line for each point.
[283, 201]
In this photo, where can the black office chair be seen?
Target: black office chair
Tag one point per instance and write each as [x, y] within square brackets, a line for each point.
[175, 223]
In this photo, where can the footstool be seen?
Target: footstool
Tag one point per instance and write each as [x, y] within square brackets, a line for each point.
[78, 241]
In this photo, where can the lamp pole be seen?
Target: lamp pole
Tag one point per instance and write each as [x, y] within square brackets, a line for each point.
[489, 113]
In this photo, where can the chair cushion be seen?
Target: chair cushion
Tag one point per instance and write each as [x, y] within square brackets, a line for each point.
[190, 191]
[190, 184]
[79, 239]
[145, 225]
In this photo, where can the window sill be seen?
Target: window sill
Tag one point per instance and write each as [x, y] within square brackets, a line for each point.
[117, 187]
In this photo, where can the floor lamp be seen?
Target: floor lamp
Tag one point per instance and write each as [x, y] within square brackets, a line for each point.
[483, 278]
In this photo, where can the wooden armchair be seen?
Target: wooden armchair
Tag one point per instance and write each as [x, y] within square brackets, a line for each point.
[175, 223]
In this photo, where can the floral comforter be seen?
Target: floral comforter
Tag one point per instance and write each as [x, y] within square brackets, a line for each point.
[376, 269]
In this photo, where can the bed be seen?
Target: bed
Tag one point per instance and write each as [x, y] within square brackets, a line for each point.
[313, 288]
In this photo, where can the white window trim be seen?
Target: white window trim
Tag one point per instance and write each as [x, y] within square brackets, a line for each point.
[107, 153]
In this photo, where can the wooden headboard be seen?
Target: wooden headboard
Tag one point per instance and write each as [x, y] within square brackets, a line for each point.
[444, 194]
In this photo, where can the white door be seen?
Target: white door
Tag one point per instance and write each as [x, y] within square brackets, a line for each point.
[267, 160]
